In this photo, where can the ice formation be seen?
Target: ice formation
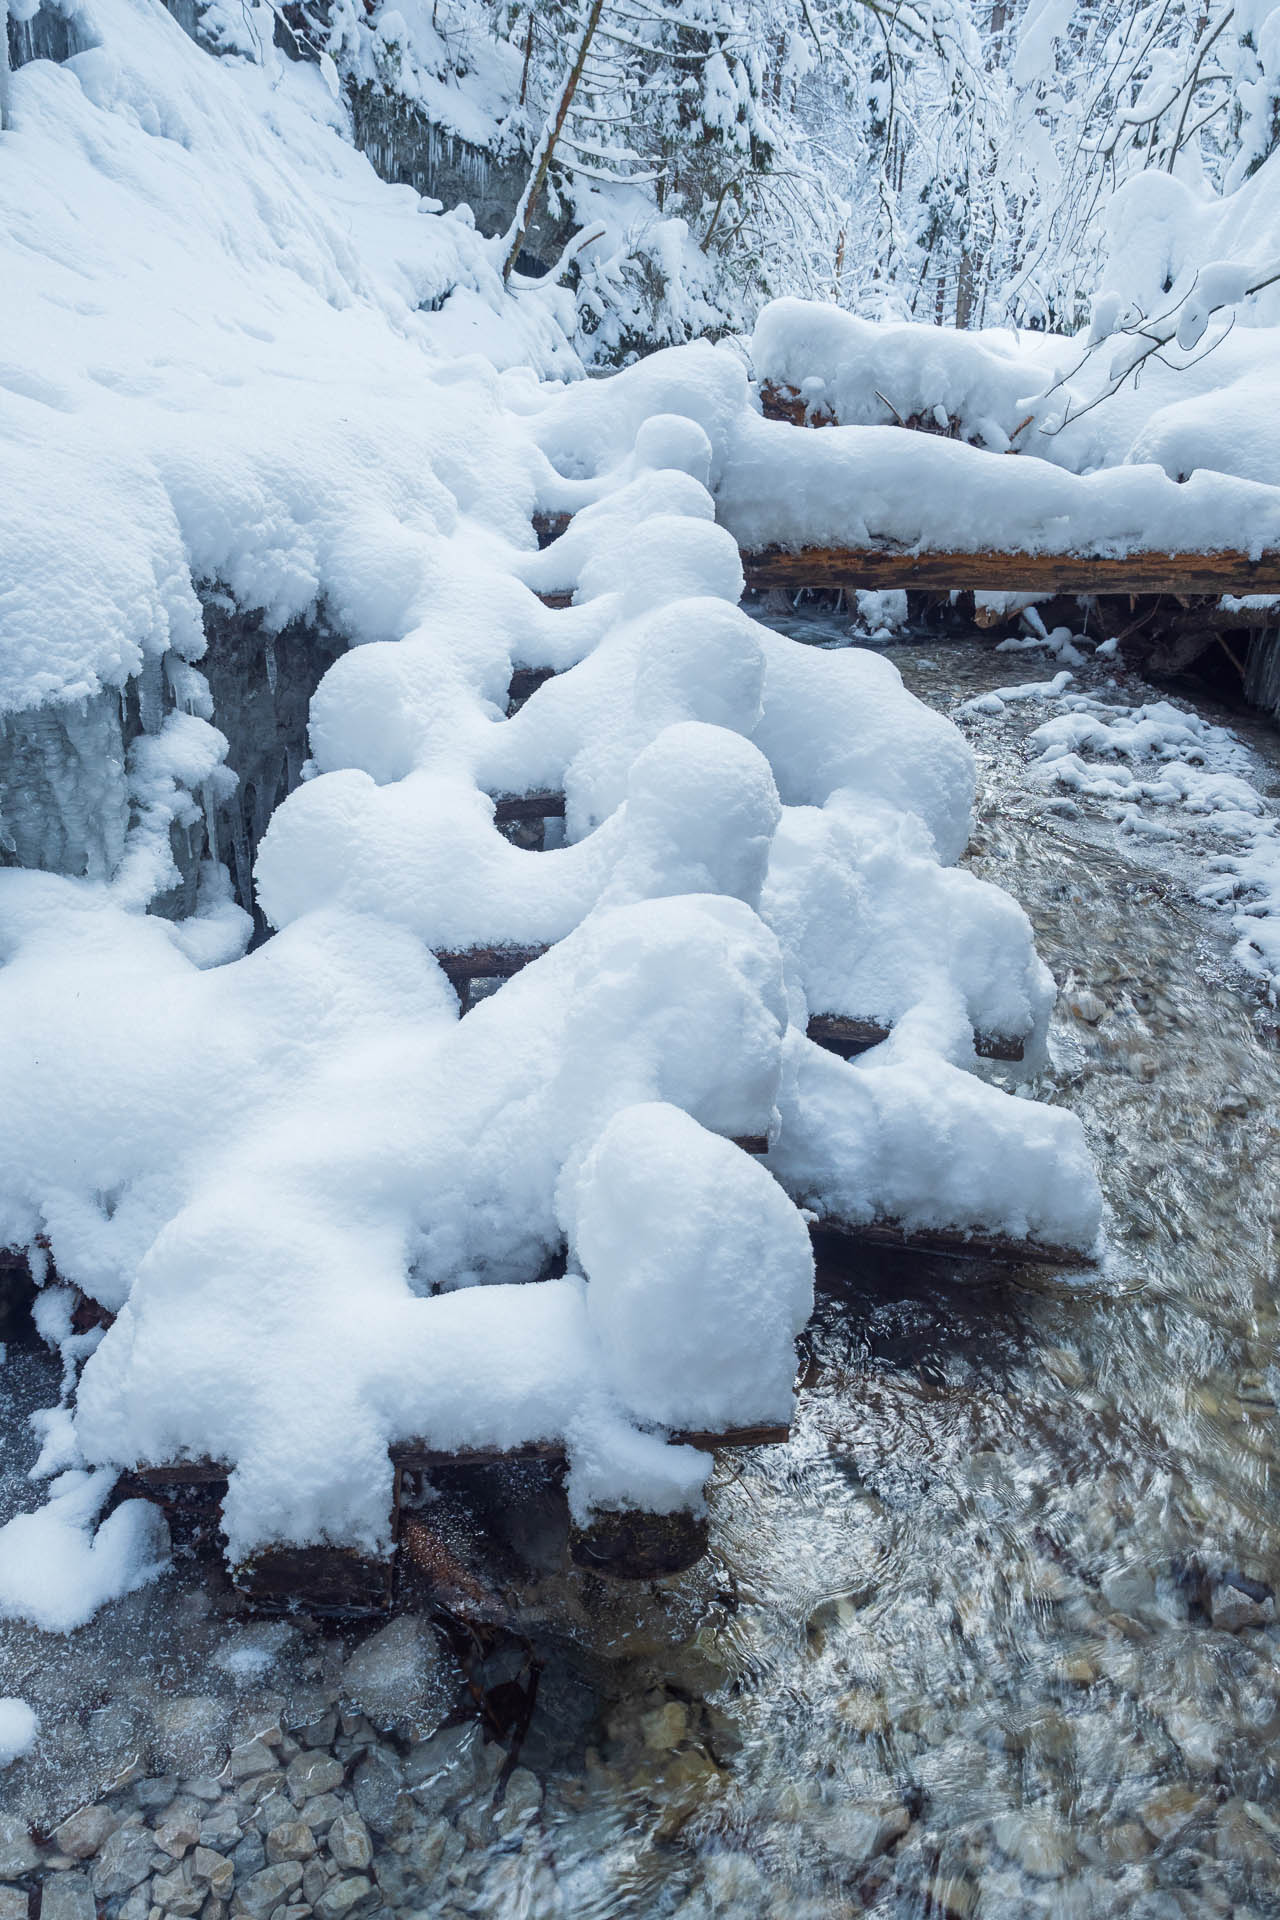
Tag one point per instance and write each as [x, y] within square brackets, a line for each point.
[319, 1203]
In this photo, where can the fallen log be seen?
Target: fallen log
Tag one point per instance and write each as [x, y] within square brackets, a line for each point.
[325, 1580]
[837, 1243]
[508, 807]
[523, 682]
[632, 1545]
[888, 567]
[840, 1033]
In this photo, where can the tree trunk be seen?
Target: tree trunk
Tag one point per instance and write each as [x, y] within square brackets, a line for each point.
[524, 212]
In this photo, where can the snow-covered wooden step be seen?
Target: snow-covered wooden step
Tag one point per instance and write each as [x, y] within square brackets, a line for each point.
[838, 1243]
[884, 567]
[841, 1033]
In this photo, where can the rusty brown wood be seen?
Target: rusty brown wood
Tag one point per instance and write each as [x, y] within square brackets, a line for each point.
[416, 1456]
[838, 1241]
[885, 567]
[841, 1034]
[323, 1579]
[549, 527]
[487, 963]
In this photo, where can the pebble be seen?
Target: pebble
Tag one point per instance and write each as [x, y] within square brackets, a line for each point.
[67, 1896]
[293, 1840]
[17, 1853]
[266, 1890]
[1041, 1844]
[179, 1831]
[863, 1711]
[310, 1774]
[1170, 1809]
[250, 1757]
[665, 1727]
[124, 1862]
[379, 1788]
[215, 1869]
[178, 1894]
[13, 1903]
[344, 1897]
[321, 1812]
[953, 1894]
[349, 1842]
[83, 1833]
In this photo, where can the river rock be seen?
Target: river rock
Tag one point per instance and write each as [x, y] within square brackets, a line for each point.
[346, 1898]
[293, 1840]
[179, 1830]
[80, 1836]
[262, 1892]
[379, 1789]
[1170, 1809]
[13, 1903]
[349, 1842]
[177, 1893]
[309, 1774]
[398, 1672]
[214, 1869]
[321, 1812]
[124, 1862]
[1041, 1844]
[250, 1757]
[67, 1896]
[860, 1832]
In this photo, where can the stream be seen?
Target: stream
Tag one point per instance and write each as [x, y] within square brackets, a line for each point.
[993, 1636]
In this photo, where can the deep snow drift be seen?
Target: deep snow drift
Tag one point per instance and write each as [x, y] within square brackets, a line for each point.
[317, 1201]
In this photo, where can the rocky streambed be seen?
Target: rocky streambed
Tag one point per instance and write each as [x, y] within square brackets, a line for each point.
[994, 1636]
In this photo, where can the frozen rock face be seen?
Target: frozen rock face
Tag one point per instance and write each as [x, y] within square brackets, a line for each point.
[261, 684]
[404, 147]
[47, 35]
[67, 800]
[64, 802]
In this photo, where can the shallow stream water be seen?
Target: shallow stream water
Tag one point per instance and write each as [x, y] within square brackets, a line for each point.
[994, 1635]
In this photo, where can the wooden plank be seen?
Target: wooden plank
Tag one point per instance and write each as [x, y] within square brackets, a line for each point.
[487, 963]
[417, 1456]
[549, 526]
[525, 681]
[632, 1545]
[841, 1034]
[322, 1579]
[838, 1241]
[886, 567]
[528, 806]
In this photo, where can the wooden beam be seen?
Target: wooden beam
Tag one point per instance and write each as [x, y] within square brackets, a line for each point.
[841, 1034]
[321, 1579]
[837, 1242]
[487, 963]
[886, 567]
[528, 806]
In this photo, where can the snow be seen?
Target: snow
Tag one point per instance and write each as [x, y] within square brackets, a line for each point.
[56, 1569]
[18, 1729]
[321, 1205]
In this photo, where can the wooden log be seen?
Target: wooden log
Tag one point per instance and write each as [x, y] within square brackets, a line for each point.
[525, 681]
[549, 526]
[839, 1033]
[417, 1456]
[487, 963]
[527, 806]
[836, 1243]
[632, 1545]
[326, 1580]
[886, 566]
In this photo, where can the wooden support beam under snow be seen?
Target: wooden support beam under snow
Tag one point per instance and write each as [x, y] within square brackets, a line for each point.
[840, 1033]
[885, 567]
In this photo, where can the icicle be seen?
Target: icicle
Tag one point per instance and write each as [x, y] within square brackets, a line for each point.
[269, 655]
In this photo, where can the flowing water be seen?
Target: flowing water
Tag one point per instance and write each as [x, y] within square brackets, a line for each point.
[994, 1635]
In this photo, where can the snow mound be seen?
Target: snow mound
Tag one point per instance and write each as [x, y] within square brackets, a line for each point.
[327, 1213]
